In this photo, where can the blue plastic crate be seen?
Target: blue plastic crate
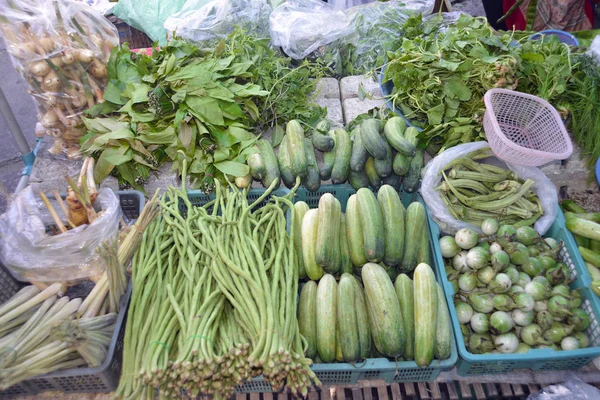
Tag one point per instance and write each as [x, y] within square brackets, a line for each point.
[377, 368]
[536, 359]
[564, 37]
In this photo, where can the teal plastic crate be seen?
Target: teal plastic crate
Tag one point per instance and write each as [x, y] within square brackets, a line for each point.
[377, 368]
[537, 359]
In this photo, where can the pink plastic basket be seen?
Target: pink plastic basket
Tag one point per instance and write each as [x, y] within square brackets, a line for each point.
[524, 129]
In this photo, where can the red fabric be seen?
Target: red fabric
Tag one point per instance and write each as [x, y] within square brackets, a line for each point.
[517, 19]
[589, 11]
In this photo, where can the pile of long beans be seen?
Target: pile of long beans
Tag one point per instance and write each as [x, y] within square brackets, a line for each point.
[474, 191]
[214, 299]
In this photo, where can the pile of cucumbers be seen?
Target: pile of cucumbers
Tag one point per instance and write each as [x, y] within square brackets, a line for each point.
[347, 321]
[373, 154]
[375, 228]
[366, 248]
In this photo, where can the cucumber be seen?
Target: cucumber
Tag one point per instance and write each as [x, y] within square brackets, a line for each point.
[309, 243]
[425, 298]
[339, 356]
[424, 254]
[271, 165]
[285, 166]
[327, 251]
[401, 164]
[362, 320]
[413, 176]
[358, 179]
[590, 256]
[328, 160]
[322, 142]
[414, 224]
[385, 316]
[371, 221]
[345, 263]
[312, 180]
[374, 179]
[300, 209]
[411, 135]
[371, 138]
[295, 145]
[257, 165]
[391, 271]
[394, 181]
[354, 232]
[326, 318]
[322, 126]
[392, 212]
[359, 153]
[404, 292]
[393, 131]
[443, 328]
[307, 317]
[346, 313]
[384, 167]
[343, 151]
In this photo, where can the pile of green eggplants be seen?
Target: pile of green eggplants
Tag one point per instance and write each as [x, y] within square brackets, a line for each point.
[512, 291]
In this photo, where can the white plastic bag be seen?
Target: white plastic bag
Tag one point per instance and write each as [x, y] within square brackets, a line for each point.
[31, 255]
[543, 187]
[201, 20]
[572, 389]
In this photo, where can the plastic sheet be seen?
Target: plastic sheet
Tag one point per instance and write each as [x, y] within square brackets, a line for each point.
[148, 16]
[572, 389]
[61, 49]
[202, 20]
[543, 187]
[32, 255]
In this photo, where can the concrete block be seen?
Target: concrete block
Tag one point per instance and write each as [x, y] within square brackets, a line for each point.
[354, 107]
[162, 179]
[49, 172]
[350, 84]
[334, 110]
[327, 88]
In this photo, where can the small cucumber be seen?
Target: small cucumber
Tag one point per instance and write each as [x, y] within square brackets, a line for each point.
[392, 211]
[256, 164]
[285, 166]
[425, 295]
[414, 223]
[354, 232]
[424, 255]
[401, 164]
[374, 179]
[345, 263]
[362, 318]
[343, 152]
[384, 167]
[443, 329]
[309, 244]
[327, 252]
[322, 142]
[413, 176]
[326, 318]
[270, 160]
[300, 209]
[371, 220]
[328, 160]
[372, 140]
[295, 145]
[348, 323]
[359, 153]
[322, 126]
[393, 131]
[339, 356]
[312, 180]
[358, 179]
[307, 317]
[394, 181]
[404, 291]
[411, 135]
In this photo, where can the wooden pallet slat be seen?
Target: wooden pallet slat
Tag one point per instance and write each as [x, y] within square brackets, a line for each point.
[240, 396]
[340, 393]
[518, 390]
[267, 396]
[326, 393]
[255, 396]
[423, 391]
[313, 395]
[479, 392]
[409, 389]
[367, 393]
[533, 388]
[506, 390]
[382, 392]
[434, 390]
[396, 393]
[491, 390]
[452, 393]
[465, 390]
[282, 396]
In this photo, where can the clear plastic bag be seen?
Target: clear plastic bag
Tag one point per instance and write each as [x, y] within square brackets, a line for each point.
[543, 187]
[61, 49]
[572, 389]
[202, 20]
[148, 16]
[32, 255]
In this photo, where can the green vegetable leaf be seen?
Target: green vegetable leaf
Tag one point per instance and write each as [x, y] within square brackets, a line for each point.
[103, 165]
[206, 109]
[455, 88]
[449, 65]
[535, 57]
[435, 114]
[277, 136]
[232, 168]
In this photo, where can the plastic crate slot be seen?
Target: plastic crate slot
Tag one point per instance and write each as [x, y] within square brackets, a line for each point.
[335, 376]
[405, 375]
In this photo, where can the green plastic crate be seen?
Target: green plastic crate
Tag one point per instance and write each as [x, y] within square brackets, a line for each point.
[537, 359]
[377, 368]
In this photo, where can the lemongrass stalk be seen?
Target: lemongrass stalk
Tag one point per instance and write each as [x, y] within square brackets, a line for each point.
[53, 213]
[18, 321]
[63, 207]
[96, 303]
[52, 290]
[98, 288]
[23, 295]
